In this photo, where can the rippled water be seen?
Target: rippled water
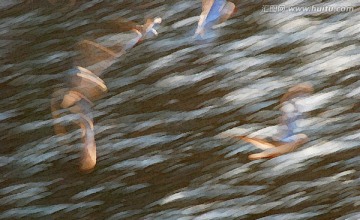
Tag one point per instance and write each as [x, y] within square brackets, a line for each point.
[161, 154]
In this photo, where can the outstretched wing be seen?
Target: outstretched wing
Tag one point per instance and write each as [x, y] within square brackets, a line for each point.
[257, 142]
[124, 25]
[88, 84]
[206, 6]
[88, 156]
[300, 89]
[215, 12]
[282, 149]
[94, 56]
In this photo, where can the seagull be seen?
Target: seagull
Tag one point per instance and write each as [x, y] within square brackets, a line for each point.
[288, 139]
[87, 83]
[213, 12]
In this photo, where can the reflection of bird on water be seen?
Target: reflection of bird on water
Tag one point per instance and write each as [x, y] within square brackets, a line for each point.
[213, 12]
[288, 139]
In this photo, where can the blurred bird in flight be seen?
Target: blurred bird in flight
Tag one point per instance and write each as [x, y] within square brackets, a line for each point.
[96, 57]
[288, 139]
[213, 12]
[87, 86]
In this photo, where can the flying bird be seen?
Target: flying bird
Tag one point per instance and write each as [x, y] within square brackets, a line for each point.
[96, 57]
[213, 12]
[86, 85]
[288, 138]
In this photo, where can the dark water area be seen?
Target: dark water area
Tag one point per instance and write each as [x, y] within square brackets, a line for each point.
[160, 128]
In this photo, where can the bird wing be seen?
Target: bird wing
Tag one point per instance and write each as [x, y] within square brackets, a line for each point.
[206, 6]
[300, 89]
[126, 25]
[131, 43]
[88, 84]
[227, 11]
[257, 142]
[282, 149]
[88, 156]
[215, 11]
[94, 56]
[93, 79]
